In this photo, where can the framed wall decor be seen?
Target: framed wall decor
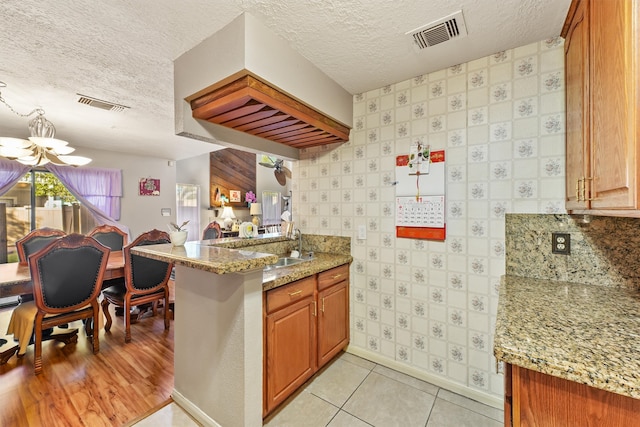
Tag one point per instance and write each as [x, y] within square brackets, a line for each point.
[235, 196]
[149, 187]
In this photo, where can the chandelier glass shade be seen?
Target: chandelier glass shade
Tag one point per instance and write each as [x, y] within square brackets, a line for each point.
[42, 147]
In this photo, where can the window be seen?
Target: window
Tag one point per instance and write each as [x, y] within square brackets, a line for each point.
[39, 200]
[188, 209]
[271, 208]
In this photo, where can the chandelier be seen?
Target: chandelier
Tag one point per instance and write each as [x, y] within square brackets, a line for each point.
[41, 147]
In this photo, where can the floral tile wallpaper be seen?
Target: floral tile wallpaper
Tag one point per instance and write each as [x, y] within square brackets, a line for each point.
[431, 305]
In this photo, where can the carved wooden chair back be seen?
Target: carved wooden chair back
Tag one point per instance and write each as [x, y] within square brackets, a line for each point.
[110, 236]
[34, 241]
[212, 231]
[67, 277]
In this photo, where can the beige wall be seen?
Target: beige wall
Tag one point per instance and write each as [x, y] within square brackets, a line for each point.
[140, 213]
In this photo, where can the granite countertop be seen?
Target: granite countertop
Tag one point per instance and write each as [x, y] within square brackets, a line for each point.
[204, 255]
[584, 333]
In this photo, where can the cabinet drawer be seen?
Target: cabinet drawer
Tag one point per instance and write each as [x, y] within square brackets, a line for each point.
[287, 294]
[333, 276]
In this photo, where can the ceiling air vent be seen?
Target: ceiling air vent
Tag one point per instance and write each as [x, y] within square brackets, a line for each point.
[448, 28]
[99, 103]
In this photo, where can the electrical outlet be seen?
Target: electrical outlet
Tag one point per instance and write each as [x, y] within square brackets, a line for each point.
[561, 243]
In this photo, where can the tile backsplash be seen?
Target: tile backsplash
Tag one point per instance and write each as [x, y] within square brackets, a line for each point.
[605, 251]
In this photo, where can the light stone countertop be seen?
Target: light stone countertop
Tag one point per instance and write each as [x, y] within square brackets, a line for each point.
[584, 333]
[222, 260]
[204, 257]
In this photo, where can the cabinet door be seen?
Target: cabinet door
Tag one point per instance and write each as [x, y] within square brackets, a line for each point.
[290, 349]
[541, 400]
[614, 94]
[333, 321]
[577, 106]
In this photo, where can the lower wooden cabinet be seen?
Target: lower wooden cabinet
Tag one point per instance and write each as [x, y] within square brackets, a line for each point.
[534, 399]
[291, 349]
[306, 324]
[333, 313]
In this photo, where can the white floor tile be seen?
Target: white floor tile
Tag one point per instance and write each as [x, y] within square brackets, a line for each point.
[384, 402]
[481, 408]
[370, 395]
[304, 410]
[446, 414]
[407, 379]
[337, 382]
[343, 419]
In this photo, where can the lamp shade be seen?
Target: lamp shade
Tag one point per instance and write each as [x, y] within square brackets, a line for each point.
[227, 213]
[256, 209]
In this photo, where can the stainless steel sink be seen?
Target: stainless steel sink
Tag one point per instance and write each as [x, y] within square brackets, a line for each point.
[286, 262]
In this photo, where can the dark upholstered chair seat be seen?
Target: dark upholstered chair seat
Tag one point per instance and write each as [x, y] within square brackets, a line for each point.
[119, 292]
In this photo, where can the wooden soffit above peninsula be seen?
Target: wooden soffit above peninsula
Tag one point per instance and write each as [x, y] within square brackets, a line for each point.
[248, 104]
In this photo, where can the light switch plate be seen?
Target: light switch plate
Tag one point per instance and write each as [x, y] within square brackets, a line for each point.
[362, 232]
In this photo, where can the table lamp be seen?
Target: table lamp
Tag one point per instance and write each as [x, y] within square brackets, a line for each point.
[228, 216]
[256, 211]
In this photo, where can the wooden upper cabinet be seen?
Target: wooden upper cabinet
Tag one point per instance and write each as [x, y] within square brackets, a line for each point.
[576, 50]
[607, 178]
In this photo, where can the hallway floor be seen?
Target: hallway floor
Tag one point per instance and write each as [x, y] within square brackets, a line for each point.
[354, 392]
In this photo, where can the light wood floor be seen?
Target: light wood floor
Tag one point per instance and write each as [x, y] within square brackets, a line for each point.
[77, 388]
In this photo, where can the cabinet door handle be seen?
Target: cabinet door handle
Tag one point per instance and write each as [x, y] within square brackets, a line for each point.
[314, 308]
[293, 294]
[337, 275]
[578, 190]
[323, 305]
[584, 191]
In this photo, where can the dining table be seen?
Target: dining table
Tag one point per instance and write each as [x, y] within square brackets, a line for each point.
[15, 279]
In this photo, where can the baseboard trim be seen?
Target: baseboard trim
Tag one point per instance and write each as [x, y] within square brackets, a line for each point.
[425, 376]
[193, 410]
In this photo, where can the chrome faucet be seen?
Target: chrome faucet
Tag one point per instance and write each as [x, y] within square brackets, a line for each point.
[299, 234]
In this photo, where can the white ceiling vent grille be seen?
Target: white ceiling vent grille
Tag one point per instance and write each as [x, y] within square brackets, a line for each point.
[99, 103]
[448, 28]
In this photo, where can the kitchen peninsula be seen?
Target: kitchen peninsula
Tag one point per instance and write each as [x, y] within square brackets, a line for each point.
[218, 350]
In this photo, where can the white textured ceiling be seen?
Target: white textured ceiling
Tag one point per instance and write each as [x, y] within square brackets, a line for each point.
[122, 51]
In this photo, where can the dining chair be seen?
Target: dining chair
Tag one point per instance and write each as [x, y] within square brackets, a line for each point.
[34, 241]
[146, 281]
[110, 236]
[67, 278]
[212, 231]
[115, 239]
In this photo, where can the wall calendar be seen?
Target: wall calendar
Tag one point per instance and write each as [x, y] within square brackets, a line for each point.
[420, 194]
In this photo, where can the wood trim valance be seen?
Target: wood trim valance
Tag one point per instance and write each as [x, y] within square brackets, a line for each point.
[250, 105]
